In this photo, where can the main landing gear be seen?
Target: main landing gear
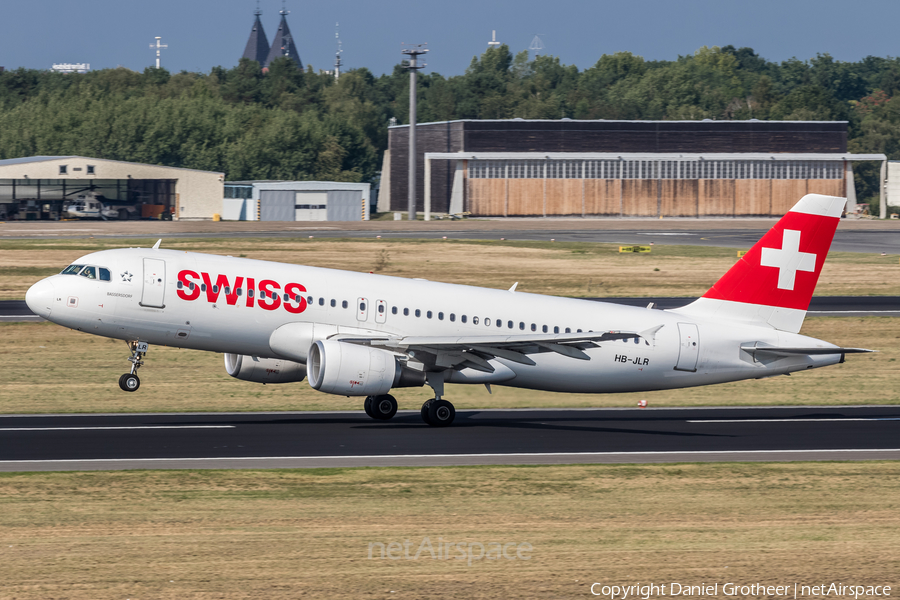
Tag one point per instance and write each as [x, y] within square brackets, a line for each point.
[381, 408]
[437, 412]
[130, 382]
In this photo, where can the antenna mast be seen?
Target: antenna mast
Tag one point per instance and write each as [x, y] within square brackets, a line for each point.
[158, 47]
[337, 56]
[493, 41]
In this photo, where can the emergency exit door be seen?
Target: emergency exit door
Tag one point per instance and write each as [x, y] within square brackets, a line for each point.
[154, 291]
[688, 347]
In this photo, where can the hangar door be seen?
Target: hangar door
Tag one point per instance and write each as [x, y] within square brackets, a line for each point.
[311, 206]
[276, 205]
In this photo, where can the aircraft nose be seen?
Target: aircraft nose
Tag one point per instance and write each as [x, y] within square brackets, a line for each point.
[39, 298]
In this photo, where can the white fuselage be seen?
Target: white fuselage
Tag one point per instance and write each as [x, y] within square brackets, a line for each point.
[145, 300]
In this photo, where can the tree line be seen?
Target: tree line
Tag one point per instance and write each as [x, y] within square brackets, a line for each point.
[288, 123]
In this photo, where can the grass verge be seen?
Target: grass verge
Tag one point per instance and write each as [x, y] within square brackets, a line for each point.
[306, 533]
[576, 269]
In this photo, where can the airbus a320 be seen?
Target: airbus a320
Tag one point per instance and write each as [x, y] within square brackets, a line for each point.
[361, 334]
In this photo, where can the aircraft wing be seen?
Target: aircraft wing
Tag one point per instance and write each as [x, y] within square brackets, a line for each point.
[475, 351]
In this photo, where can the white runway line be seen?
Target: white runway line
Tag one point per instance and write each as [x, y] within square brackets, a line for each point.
[117, 427]
[794, 420]
[487, 455]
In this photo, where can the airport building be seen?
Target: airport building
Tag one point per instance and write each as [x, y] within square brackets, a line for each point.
[41, 187]
[619, 168]
[296, 201]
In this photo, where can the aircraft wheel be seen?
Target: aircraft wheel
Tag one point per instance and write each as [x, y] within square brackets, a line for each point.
[425, 406]
[367, 405]
[129, 382]
[384, 407]
[441, 413]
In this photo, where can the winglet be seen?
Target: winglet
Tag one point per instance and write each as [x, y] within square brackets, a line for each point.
[650, 334]
[513, 288]
[156, 245]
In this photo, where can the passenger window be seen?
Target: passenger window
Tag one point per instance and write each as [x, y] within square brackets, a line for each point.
[215, 289]
[440, 316]
[637, 341]
[179, 285]
[452, 317]
[104, 274]
[393, 310]
[428, 314]
[487, 322]
[381, 308]
[474, 320]
[72, 270]
[345, 305]
[568, 330]
[202, 287]
[362, 307]
[556, 329]
[89, 272]
[533, 327]
[521, 325]
[309, 300]
[405, 312]
[240, 292]
[499, 323]
[298, 298]
[321, 301]
[463, 318]
[418, 313]
[333, 303]
[250, 292]
[286, 297]
[192, 287]
[509, 324]
[544, 329]
[227, 290]
[579, 331]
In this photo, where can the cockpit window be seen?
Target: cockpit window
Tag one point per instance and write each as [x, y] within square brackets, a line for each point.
[104, 274]
[89, 272]
[72, 270]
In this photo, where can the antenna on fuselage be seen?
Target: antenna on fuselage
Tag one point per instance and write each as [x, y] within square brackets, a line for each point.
[156, 245]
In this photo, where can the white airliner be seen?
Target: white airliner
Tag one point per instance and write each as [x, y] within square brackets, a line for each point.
[359, 334]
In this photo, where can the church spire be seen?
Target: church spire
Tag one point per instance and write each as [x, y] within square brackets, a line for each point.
[258, 45]
[283, 42]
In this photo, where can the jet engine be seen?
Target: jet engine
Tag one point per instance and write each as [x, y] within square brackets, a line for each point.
[263, 370]
[352, 370]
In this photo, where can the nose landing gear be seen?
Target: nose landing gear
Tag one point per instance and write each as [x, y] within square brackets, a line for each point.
[130, 382]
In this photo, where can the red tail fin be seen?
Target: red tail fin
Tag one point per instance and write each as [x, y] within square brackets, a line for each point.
[778, 275]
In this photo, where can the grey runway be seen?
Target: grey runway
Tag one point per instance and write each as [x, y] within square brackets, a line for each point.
[478, 437]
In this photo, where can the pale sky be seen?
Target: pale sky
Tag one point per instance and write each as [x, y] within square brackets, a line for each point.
[205, 33]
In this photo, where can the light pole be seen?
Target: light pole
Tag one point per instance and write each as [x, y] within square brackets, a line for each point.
[413, 51]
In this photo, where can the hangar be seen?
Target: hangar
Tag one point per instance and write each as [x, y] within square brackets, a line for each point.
[620, 168]
[296, 201]
[39, 187]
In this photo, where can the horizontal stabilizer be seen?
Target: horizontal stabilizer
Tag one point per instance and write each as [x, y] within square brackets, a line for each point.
[802, 351]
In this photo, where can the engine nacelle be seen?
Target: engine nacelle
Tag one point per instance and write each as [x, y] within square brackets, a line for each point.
[353, 370]
[263, 370]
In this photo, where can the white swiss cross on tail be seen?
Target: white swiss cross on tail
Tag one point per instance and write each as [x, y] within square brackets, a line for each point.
[788, 260]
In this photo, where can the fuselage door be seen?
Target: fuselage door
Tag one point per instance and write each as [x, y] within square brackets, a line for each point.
[380, 311]
[154, 291]
[688, 347]
[362, 309]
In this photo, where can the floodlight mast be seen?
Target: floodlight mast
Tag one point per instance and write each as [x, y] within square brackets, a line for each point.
[413, 51]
